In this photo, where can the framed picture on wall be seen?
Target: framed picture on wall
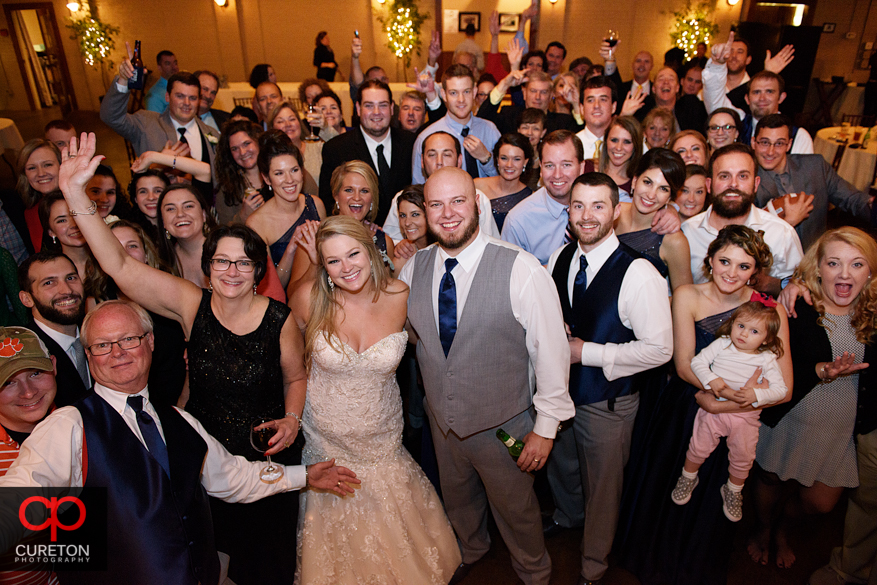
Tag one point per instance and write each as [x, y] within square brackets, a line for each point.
[467, 18]
[509, 22]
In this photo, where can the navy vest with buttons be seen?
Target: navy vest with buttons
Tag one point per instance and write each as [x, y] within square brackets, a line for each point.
[597, 322]
[159, 529]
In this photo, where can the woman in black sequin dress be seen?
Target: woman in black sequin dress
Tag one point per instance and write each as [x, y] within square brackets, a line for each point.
[659, 175]
[246, 360]
[512, 156]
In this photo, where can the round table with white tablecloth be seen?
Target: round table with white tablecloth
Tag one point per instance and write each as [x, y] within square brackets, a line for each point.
[856, 164]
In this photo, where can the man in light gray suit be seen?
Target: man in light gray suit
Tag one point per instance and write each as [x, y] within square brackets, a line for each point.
[147, 130]
[490, 331]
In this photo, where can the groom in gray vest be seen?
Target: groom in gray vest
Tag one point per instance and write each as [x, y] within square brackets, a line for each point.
[490, 330]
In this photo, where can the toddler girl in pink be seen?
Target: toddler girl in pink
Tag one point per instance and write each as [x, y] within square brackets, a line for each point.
[747, 341]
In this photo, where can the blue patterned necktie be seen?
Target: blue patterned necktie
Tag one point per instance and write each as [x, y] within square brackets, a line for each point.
[150, 433]
[447, 306]
[581, 284]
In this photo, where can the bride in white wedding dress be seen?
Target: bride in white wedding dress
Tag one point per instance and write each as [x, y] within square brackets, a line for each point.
[392, 529]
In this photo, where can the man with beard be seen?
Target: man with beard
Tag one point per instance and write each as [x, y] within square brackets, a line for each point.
[615, 305]
[52, 290]
[476, 135]
[386, 150]
[486, 316]
[733, 181]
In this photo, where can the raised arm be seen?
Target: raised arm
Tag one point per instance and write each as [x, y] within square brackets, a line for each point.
[157, 291]
[198, 169]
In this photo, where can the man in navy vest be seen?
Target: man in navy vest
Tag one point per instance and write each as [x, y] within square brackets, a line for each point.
[619, 329]
[157, 463]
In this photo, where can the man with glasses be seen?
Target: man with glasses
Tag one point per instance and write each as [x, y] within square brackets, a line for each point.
[806, 182]
[159, 526]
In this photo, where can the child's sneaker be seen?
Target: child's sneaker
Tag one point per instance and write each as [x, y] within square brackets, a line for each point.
[733, 505]
[682, 492]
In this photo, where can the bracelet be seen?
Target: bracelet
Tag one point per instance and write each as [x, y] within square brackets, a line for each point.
[174, 167]
[90, 211]
[295, 416]
[306, 476]
[823, 377]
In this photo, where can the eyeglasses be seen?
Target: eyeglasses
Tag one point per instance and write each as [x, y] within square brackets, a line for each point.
[221, 264]
[126, 343]
[725, 127]
[765, 143]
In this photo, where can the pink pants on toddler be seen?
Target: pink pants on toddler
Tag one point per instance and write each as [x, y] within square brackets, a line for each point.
[741, 430]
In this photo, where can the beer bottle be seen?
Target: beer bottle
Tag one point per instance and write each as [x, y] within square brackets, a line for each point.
[136, 81]
[515, 446]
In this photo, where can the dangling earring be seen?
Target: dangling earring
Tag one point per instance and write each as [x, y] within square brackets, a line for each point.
[331, 284]
[210, 286]
[254, 289]
[204, 229]
[337, 209]
[167, 234]
[54, 240]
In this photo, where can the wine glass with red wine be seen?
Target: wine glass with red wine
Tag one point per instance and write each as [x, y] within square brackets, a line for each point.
[259, 440]
[611, 38]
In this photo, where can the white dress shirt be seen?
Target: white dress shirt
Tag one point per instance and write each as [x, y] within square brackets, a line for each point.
[66, 343]
[778, 235]
[643, 307]
[193, 136]
[372, 146]
[715, 96]
[589, 141]
[52, 455]
[485, 218]
[536, 307]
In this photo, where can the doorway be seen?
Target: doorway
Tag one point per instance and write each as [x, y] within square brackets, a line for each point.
[40, 55]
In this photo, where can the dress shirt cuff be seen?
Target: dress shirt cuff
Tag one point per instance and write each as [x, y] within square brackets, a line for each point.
[495, 96]
[434, 104]
[295, 477]
[609, 67]
[122, 87]
[578, 118]
[592, 354]
[431, 69]
[545, 426]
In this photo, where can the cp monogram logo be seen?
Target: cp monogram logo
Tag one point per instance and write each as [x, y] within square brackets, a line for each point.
[51, 505]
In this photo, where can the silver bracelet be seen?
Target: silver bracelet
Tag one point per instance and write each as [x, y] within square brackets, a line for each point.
[90, 211]
[306, 476]
[295, 416]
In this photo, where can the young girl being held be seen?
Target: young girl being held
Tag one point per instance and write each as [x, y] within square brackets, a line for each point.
[746, 342]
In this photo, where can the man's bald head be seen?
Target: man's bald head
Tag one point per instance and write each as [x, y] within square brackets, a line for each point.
[451, 208]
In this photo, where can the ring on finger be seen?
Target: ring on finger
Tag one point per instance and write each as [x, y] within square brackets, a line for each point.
[535, 461]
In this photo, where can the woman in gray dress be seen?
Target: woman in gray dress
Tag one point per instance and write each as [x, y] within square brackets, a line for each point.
[806, 449]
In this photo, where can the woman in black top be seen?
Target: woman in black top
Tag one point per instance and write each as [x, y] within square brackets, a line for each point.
[324, 58]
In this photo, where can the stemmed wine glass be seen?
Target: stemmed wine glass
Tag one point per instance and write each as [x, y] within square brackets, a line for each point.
[259, 440]
[312, 109]
[611, 37]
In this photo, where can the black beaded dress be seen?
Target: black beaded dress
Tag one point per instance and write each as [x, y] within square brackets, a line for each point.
[234, 379]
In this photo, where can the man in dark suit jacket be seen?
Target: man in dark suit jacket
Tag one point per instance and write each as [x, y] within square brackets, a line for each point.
[209, 81]
[374, 106]
[537, 94]
[642, 69]
[52, 290]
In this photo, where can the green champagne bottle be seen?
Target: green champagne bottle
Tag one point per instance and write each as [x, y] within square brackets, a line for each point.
[515, 446]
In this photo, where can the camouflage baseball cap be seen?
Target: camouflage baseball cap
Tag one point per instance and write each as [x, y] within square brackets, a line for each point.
[21, 349]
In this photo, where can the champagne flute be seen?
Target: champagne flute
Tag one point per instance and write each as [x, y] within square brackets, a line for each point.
[611, 37]
[259, 440]
[312, 109]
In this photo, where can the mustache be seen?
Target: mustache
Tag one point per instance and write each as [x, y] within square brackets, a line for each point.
[734, 192]
[69, 297]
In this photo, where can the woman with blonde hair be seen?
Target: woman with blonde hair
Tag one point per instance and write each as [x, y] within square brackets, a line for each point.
[807, 447]
[354, 316]
[39, 162]
[658, 126]
[355, 190]
[565, 93]
[691, 146]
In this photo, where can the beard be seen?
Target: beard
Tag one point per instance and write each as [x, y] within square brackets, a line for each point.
[590, 240]
[457, 240]
[72, 316]
[732, 209]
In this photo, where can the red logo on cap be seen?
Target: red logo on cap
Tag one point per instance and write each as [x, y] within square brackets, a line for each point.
[10, 346]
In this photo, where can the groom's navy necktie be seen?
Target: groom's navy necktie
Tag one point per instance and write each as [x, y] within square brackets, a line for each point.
[447, 306]
[150, 433]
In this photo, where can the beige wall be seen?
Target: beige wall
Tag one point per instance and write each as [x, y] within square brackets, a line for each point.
[233, 39]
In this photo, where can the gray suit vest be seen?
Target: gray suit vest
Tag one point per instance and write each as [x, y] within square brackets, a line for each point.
[484, 381]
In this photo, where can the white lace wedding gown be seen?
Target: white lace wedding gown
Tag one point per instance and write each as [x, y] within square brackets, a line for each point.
[393, 528]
